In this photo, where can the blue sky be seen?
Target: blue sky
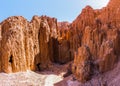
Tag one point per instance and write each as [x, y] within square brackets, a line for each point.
[63, 10]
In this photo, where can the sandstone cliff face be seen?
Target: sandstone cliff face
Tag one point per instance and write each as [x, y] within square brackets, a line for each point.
[35, 45]
[82, 66]
[32, 45]
[99, 30]
[12, 45]
[107, 56]
[26, 45]
[64, 43]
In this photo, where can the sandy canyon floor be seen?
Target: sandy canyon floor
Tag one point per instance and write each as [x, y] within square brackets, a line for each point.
[54, 77]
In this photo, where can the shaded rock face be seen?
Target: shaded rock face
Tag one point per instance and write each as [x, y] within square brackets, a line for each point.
[107, 56]
[82, 66]
[100, 31]
[64, 52]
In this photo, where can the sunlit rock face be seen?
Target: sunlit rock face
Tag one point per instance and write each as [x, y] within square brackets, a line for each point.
[27, 45]
[12, 49]
[32, 45]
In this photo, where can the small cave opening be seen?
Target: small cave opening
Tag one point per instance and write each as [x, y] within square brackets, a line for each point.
[38, 66]
[11, 59]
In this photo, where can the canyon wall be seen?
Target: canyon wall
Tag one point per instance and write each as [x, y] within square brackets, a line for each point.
[99, 30]
[31, 45]
[92, 40]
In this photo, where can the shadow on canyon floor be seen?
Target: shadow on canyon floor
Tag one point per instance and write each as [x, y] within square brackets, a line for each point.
[110, 78]
[54, 77]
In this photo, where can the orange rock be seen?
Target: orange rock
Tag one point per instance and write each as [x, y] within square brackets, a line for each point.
[107, 56]
[82, 64]
[97, 29]
[25, 44]
[36, 44]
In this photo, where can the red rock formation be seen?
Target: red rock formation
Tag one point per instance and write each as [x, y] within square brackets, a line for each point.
[107, 56]
[37, 44]
[64, 53]
[25, 45]
[31, 45]
[99, 30]
[12, 45]
[63, 25]
[82, 67]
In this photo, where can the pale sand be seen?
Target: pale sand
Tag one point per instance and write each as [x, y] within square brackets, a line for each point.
[29, 78]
